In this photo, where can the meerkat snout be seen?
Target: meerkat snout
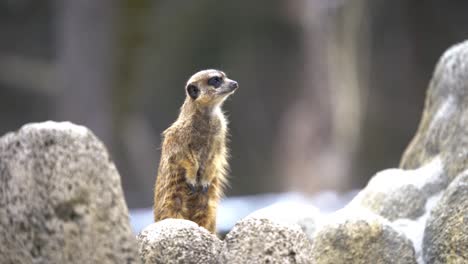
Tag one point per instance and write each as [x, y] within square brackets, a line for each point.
[230, 87]
[233, 85]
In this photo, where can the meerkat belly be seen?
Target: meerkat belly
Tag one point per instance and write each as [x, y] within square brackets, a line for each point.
[206, 148]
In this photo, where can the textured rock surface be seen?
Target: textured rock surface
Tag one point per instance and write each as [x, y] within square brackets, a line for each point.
[354, 236]
[446, 234]
[414, 229]
[397, 193]
[306, 216]
[177, 241]
[61, 199]
[444, 126]
[264, 241]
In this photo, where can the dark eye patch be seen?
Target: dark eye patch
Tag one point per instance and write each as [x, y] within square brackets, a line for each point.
[215, 81]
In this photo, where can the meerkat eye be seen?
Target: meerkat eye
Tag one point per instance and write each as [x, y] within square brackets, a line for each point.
[215, 81]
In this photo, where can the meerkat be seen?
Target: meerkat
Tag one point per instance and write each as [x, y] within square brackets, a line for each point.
[193, 166]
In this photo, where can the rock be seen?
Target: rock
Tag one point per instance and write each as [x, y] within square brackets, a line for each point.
[61, 199]
[178, 241]
[397, 193]
[255, 240]
[359, 236]
[446, 233]
[444, 126]
[414, 229]
[304, 215]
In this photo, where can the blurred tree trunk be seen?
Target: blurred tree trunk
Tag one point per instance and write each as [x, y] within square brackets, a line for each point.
[136, 145]
[85, 52]
[99, 61]
[320, 131]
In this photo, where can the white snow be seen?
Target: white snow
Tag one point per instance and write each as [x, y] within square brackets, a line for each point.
[233, 209]
[414, 229]
[394, 178]
[287, 212]
[350, 213]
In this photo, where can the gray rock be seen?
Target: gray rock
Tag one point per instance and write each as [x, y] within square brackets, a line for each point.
[397, 193]
[304, 215]
[61, 199]
[178, 241]
[414, 229]
[255, 240]
[359, 236]
[444, 126]
[446, 233]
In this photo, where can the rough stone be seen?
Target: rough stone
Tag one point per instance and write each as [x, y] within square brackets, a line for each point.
[255, 240]
[61, 199]
[414, 228]
[178, 241]
[443, 129]
[359, 236]
[446, 233]
[304, 215]
[397, 193]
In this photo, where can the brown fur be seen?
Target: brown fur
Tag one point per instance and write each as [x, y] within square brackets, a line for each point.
[193, 166]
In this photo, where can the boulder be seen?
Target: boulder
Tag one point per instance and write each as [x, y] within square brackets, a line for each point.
[446, 233]
[304, 215]
[414, 228]
[354, 235]
[443, 129]
[254, 240]
[178, 241]
[61, 199]
[397, 193]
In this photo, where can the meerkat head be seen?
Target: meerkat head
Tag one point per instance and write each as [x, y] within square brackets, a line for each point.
[209, 88]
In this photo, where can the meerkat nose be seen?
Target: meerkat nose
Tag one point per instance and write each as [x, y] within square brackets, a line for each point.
[233, 85]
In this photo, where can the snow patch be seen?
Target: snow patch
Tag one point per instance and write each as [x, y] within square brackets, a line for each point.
[395, 178]
[287, 212]
[352, 213]
[233, 209]
[414, 229]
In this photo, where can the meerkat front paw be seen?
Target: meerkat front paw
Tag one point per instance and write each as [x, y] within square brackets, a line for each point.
[192, 184]
[205, 188]
[195, 187]
[192, 187]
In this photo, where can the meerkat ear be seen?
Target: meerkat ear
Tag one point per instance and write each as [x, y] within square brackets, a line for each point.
[193, 91]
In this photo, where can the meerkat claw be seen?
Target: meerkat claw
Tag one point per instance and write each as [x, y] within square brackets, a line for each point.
[205, 189]
[193, 188]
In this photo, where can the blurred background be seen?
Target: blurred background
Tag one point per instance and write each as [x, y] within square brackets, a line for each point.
[331, 91]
